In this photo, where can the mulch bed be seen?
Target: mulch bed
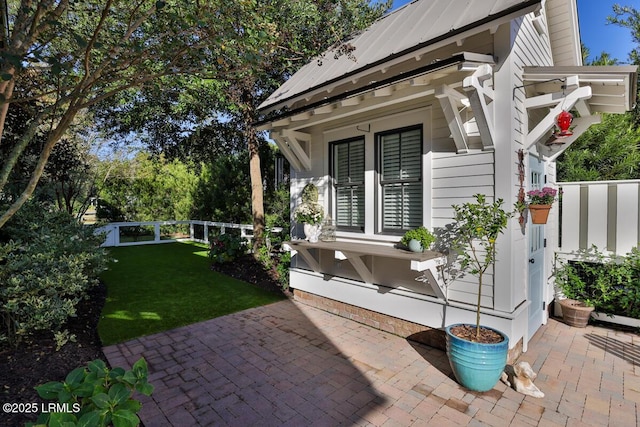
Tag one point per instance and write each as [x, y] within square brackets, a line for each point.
[37, 362]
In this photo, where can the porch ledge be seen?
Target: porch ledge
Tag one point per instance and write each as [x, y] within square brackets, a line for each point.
[427, 262]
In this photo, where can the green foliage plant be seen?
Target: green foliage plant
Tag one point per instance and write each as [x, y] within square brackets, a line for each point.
[476, 229]
[97, 396]
[421, 234]
[310, 194]
[309, 211]
[226, 248]
[48, 261]
[610, 284]
[271, 255]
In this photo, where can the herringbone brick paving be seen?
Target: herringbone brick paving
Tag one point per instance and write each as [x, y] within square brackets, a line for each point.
[288, 364]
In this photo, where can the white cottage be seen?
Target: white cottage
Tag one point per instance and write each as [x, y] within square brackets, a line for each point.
[444, 99]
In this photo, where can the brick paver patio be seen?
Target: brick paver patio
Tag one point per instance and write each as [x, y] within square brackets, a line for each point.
[288, 364]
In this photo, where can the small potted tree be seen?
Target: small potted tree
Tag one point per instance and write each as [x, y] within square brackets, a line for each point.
[477, 354]
[585, 283]
[418, 240]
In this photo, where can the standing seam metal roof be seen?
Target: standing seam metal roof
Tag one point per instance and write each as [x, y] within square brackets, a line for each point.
[413, 26]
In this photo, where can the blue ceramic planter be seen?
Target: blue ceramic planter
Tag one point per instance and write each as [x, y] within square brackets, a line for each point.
[477, 366]
[415, 246]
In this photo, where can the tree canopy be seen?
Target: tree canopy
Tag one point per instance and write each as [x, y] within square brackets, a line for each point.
[609, 150]
[202, 117]
[58, 57]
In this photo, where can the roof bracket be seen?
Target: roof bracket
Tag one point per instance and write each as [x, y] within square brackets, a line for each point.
[288, 142]
[449, 99]
[481, 98]
[558, 101]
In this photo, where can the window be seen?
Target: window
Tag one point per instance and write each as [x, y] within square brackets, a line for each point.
[400, 175]
[348, 183]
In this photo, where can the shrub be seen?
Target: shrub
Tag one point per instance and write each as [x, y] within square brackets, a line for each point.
[97, 396]
[47, 263]
[310, 194]
[610, 284]
[226, 248]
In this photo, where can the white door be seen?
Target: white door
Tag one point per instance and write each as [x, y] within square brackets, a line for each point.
[536, 253]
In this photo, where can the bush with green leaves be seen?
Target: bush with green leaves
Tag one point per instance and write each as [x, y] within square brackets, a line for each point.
[272, 257]
[48, 261]
[97, 396]
[226, 248]
[611, 284]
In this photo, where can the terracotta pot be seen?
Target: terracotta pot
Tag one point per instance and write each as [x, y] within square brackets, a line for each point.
[575, 313]
[539, 213]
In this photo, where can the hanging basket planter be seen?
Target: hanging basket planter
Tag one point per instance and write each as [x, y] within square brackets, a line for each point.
[539, 213]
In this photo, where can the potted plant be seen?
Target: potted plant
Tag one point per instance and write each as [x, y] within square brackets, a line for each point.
[477, 354]
[540, 204]
[583, 284]
[310, 213]
[418, 240]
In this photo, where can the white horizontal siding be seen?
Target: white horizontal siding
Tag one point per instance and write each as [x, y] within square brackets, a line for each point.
[456, 178]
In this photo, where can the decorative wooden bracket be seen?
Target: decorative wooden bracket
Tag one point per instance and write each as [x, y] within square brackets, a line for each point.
[433, 273]
[450, 100]
[481, 98]
[358, 264]
[288, 142]
[565, 100]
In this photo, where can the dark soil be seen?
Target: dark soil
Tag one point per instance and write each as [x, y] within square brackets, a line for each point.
[37, 362]
[248, 269]
[467, 332]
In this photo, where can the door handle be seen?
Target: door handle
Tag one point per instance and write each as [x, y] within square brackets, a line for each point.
[532, 261]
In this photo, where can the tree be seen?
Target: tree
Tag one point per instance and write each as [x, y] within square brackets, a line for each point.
[60, 57]
[609, 150]
[292, 34]
[147, 188]
[628, 17]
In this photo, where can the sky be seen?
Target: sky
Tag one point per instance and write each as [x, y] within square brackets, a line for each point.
[596, 34]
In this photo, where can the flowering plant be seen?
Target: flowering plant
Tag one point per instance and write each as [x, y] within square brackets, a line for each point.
[310, 213]
[545, 196]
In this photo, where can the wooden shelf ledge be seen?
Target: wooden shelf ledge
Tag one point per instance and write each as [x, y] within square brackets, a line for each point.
[427, 262]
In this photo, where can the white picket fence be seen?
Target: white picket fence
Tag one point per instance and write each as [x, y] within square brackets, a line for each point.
[601, 213]
[139, 233]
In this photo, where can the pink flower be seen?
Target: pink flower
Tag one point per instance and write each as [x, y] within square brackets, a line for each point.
[544, 196]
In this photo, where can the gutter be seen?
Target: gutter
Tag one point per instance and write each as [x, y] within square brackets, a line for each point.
[445, 63]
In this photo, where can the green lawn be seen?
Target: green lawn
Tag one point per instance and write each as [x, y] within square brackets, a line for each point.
[154, 288]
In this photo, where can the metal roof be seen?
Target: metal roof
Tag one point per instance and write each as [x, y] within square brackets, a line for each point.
[416, 26]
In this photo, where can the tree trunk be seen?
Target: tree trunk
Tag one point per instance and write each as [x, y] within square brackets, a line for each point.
[257, 204]
[38, 170]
